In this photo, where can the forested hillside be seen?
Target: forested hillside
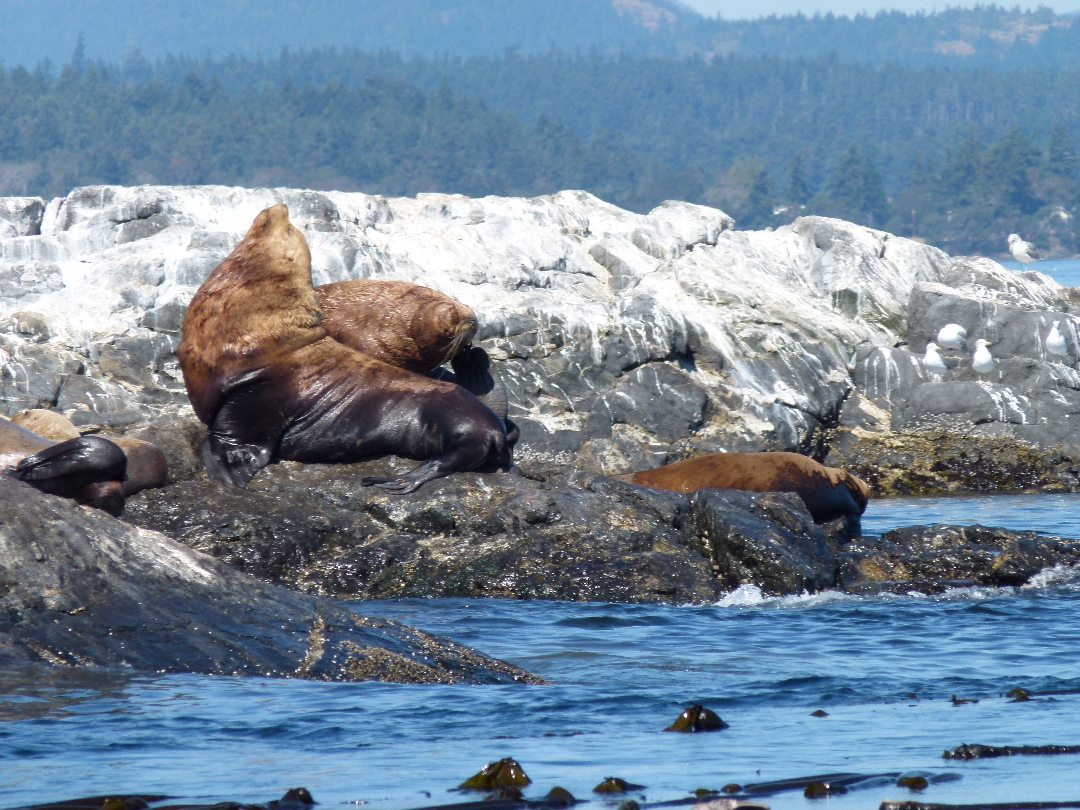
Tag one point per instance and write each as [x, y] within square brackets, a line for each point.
[763, 139]
[988, 35]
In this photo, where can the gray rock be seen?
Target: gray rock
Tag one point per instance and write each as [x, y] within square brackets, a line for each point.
[20, 216]
[768, 540]
[32, 374]
[81, 589]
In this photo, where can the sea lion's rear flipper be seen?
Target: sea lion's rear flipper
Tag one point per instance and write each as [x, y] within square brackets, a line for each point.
[72, 465]
[89, 469]
[473, 372]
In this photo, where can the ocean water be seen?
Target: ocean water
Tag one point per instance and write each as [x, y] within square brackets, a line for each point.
[1065, 271]
[883, 668]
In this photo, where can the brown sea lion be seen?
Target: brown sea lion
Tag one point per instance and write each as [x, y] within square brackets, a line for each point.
[403, 324]
[263, 374]
[88, 469]
[414, 328]
[146, 465]
[828, 492]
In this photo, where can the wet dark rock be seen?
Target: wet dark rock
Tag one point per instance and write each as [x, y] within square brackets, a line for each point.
[765, 539]
[558, 534]
[921, 556]
[819, 713]
[80, 589]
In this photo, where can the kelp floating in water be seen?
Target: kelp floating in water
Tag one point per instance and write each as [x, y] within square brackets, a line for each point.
[977, 751]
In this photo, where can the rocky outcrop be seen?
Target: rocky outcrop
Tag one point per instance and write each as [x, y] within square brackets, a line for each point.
[625, 340]
[550, 533]
[81, 589]
[932, 558]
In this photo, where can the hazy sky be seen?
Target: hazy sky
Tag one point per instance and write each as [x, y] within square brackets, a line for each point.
[743, 9]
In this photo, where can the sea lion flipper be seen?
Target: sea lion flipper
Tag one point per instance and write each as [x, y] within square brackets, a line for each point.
[85, 459]
[230, 462]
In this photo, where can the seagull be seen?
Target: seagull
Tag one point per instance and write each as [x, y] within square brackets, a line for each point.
[952, 336]
[1055, 341]
[982, 361]
[1023, 252]
[932, 360]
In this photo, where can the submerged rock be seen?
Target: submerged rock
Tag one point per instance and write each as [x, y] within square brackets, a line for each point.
[82, 589]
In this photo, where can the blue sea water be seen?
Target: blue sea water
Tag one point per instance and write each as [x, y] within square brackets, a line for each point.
[883, 668]
[1065, 271]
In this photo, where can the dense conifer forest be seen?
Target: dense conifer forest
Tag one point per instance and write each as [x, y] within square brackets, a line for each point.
[959, 157]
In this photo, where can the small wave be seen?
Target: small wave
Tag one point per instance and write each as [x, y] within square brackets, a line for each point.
[753, 596]
[1058, 575]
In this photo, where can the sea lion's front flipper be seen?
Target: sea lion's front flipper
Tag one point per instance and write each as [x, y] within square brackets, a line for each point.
[473, 372]
[229, 462]
[73, 464]
[245, 432]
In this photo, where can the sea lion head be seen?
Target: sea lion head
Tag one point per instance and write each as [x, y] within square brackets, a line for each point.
[278, 242]
[256, 305]
[455, 322]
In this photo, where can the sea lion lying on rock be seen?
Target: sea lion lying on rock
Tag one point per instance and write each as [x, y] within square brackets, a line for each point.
[264, 375]
[88, 469]
[403, 324]
[414, 328]
[146, 465]
[828, 492]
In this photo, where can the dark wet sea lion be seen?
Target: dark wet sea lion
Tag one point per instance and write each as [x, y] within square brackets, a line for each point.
[146, 465]
[415, 328]
[828, 492]
[262, 372]
[88, 469]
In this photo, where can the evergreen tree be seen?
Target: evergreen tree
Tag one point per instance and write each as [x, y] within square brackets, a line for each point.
[1060, 153]
[854, 191]
[798, 186]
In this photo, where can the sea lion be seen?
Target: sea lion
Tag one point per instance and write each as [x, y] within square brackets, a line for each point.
[403, 324]
[88, 469]
[828, 492]
[415, 328]
[264, 375]
[146, 465]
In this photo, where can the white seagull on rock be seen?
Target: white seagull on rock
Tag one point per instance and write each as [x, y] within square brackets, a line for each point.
[982, 361]
[1055, 341]
[952, 336]
[932, 360]
[1023, 252]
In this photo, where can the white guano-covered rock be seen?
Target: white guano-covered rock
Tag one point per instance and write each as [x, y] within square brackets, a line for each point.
[628, 338]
